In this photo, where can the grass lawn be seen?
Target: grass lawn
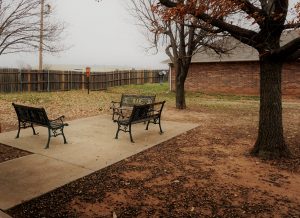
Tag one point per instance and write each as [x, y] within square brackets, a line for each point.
[206, 172]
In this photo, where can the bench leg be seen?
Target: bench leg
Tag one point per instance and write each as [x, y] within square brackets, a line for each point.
[49, 135]
[33, 130]
[119, 128]
[147, 125]
[117, 133]
[160, 126]
[63, 134]
[113, 115]
[18, 134]
[130, 134]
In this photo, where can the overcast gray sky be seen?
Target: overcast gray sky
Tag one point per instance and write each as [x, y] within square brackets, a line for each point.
[100, 34]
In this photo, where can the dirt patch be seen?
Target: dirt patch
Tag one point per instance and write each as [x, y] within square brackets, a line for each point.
[196, 174]
[9, 153]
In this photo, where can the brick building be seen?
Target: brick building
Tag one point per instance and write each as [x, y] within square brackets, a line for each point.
[236, 72]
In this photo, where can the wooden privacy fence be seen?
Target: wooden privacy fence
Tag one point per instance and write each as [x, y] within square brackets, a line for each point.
[16, 80]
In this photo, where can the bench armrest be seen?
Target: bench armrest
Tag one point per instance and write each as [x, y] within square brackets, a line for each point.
[60, 119]
[115, 104]
[122, 113]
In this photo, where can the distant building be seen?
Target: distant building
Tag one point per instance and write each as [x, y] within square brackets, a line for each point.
[236, 72]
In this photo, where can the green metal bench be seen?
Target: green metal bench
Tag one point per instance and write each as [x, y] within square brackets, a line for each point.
[128, 101]
[150, 113]
[29, 116]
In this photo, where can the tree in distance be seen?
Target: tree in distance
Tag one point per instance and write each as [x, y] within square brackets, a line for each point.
[180, 37]
[20, 27]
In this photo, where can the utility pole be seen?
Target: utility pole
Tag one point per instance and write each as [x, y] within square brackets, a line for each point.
[41, 37]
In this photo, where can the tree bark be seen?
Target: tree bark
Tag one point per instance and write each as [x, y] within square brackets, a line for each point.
[180, 94]
[181, 71]
[270, 142]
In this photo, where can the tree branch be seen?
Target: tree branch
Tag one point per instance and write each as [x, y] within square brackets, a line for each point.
[291, 26]
[244, 35]
[20, 27]
[252, 11]
[290, 49]
[168, 3]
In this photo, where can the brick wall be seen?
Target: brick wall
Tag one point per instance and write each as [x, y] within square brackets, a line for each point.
[236, 78]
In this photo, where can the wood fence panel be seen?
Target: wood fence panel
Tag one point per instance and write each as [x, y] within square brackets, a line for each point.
[21, 80]
[98, 81]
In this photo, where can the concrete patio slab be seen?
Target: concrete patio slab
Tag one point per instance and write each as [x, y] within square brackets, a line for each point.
[30, 176]
[91, 147]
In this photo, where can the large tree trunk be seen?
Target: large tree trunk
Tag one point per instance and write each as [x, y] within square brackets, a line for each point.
[181, 73]
[180, 94]
[270, 142]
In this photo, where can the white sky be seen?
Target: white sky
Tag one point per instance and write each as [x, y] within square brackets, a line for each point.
[100, 34]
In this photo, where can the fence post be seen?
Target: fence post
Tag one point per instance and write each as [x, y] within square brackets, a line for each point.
[62, 85]
[140, 77]
[29, 80]
[117, 73]
[119, 78]
[48, 82]
[129, 77]
[113, 78]
[71, 80]
[82, 81]
[21, 82]
[68, 80]
[38, 81]
[106, 80]
[151, 76]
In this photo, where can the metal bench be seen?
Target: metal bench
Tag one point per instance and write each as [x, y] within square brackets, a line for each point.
[29, 116]
[150, 113]
[128, 101]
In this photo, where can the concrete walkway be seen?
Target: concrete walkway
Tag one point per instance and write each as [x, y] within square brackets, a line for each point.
[91, 147]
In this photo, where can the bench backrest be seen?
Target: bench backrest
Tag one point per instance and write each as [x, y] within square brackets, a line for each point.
[130, 100]
[31, 114]
[143, 112]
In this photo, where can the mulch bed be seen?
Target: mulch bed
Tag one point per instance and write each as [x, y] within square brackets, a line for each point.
[182, 177]
[9, 153]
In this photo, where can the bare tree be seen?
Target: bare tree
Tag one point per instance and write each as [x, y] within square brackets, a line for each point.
[267, 20]
[180, 37]
[20, 27]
